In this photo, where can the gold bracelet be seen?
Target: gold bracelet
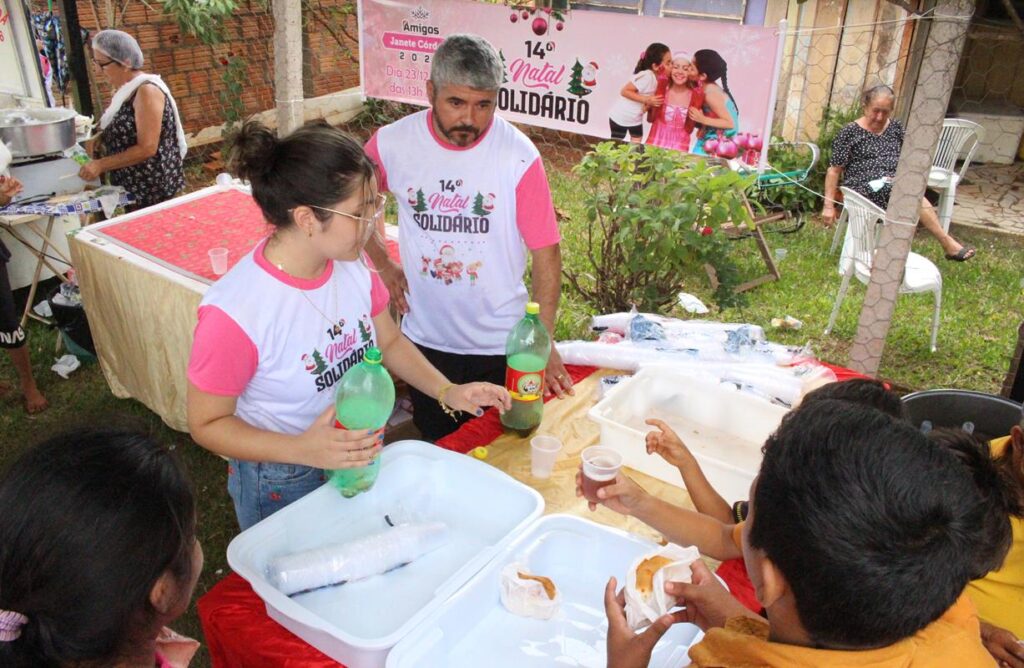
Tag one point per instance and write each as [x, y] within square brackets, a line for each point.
[453, 414]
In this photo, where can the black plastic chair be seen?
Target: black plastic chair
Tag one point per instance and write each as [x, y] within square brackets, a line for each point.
[992, 415]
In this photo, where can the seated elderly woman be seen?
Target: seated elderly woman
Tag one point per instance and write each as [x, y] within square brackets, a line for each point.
[864, 157]
[142, 143]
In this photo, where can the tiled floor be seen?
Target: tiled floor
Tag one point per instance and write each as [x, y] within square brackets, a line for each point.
[992, 197]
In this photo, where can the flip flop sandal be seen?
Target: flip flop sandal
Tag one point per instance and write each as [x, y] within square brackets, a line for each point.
[963, 255]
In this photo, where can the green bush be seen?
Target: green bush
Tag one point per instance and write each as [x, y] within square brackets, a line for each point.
[653, 215]
[787, 158]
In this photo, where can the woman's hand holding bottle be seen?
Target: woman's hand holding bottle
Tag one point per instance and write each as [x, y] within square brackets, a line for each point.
[324, 446]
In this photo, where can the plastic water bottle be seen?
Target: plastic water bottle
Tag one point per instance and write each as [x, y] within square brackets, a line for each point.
[364, 402]
[527, 350]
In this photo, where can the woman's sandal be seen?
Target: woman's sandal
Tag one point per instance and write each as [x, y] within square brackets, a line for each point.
[963, 255]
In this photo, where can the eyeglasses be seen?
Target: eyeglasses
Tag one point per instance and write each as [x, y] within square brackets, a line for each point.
[368, 223]
[102, 65]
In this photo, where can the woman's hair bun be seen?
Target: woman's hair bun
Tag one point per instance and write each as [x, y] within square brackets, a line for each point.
[251, 152]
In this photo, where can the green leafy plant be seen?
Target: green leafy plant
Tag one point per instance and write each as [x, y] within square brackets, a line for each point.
[202, 18]
[652, 216]
[787, 158]
[236, 72]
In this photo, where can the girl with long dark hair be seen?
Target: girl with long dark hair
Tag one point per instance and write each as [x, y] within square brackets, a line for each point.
[627, 115]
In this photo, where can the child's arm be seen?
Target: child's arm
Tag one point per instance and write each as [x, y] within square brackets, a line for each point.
[631, 92]
[706, 500]
[678, 525]
[716, 100]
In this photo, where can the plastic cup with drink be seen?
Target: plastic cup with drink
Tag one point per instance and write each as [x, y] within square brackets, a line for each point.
[219, 260]
[543, 453]
[600, 466]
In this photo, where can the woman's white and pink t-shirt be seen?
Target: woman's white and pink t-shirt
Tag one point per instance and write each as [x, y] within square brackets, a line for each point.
[466, 217]
[279, 343]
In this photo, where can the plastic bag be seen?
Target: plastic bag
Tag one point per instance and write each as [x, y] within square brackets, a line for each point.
[526, 597]
[357, 559]
[644, 608]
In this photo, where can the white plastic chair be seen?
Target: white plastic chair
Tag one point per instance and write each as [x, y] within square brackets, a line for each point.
[920, 275]
[959, 138]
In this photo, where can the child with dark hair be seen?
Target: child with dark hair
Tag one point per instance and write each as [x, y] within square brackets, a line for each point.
[627, 115]
[720, 116]
[859, 540]
[98, 552]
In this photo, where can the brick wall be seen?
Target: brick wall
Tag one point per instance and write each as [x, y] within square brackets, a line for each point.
[195, 72]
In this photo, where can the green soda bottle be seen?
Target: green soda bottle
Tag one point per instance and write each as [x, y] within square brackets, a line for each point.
[527, 350]
[364, 401]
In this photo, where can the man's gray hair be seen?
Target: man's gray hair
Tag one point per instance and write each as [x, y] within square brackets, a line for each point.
[467, 60]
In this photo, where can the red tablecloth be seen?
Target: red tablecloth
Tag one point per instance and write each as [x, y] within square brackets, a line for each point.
[179, 236]
[231, 605]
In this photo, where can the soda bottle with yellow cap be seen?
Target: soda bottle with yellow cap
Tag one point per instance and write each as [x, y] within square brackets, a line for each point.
[527, 349]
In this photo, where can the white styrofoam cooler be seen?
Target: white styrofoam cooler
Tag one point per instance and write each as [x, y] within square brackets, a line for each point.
[473, 628]
[358, 623]
[723, 428]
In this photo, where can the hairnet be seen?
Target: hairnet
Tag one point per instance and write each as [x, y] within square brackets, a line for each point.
[120, 46]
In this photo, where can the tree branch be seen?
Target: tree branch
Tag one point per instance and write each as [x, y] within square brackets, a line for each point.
[1014, 16]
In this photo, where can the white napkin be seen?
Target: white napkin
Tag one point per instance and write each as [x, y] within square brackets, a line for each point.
[65, 365]
[526, 598]
[643, 609]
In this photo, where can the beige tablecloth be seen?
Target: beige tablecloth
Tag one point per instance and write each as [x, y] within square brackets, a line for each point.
[142, 319]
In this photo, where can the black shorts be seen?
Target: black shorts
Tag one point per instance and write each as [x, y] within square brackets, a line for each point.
[619, 131]
[11, 334]
[427, 415]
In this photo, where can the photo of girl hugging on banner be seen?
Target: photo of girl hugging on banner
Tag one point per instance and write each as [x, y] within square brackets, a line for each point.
[671, 123]
[639, 93]
[720, 117]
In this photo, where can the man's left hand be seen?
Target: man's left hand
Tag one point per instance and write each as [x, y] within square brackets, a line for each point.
[627, 649]
[556, 379]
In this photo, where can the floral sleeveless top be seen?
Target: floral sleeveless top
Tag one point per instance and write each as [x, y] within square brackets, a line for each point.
[159, 178]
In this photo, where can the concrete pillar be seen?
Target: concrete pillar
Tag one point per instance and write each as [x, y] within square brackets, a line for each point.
[288, 64]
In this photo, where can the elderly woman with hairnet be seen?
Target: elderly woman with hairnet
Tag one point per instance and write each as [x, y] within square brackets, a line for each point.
[142, 143]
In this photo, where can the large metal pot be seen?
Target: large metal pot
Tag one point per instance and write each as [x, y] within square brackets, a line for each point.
[29, 132]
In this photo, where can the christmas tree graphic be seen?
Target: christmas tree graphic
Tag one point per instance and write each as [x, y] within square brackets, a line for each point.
[504, 67]
[421, 202]
[576, 81]
[364, 330]
[478, 206]
[318, 359]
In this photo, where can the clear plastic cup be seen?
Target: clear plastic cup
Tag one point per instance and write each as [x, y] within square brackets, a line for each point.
[600, 466]
[219, 260]
[543, 453]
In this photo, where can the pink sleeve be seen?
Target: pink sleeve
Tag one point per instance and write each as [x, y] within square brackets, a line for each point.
[535, 213]
[223, 358]
[373, 152]
[379, 295]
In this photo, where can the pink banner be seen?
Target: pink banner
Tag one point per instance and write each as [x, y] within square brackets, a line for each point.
[582, 71]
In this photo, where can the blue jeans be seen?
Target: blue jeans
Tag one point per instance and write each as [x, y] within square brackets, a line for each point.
[260, 489]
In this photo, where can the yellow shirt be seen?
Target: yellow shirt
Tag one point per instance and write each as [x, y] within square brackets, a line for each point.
[952, 640]
[999, 595]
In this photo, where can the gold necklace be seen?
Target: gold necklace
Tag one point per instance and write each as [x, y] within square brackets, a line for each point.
[334, 293]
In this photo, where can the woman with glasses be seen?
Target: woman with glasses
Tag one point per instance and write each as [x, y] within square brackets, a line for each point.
[142, 143]
[280, 329]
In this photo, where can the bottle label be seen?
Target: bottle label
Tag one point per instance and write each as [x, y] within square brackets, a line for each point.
[524, 385]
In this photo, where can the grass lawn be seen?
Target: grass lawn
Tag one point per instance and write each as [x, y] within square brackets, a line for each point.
[981, 309]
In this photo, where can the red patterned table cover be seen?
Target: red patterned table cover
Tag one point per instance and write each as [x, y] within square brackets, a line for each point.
[178, 237]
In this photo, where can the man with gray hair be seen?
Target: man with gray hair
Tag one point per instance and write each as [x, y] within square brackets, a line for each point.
[472, 198]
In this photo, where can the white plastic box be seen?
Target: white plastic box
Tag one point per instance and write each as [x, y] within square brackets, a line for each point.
[473, 628]
[722, 427]
[358, 623]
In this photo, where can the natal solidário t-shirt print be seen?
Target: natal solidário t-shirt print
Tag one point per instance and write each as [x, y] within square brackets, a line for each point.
[466, 217]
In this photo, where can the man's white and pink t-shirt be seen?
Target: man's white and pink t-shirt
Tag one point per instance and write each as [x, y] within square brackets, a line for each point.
[466, 217]
[279, 343]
